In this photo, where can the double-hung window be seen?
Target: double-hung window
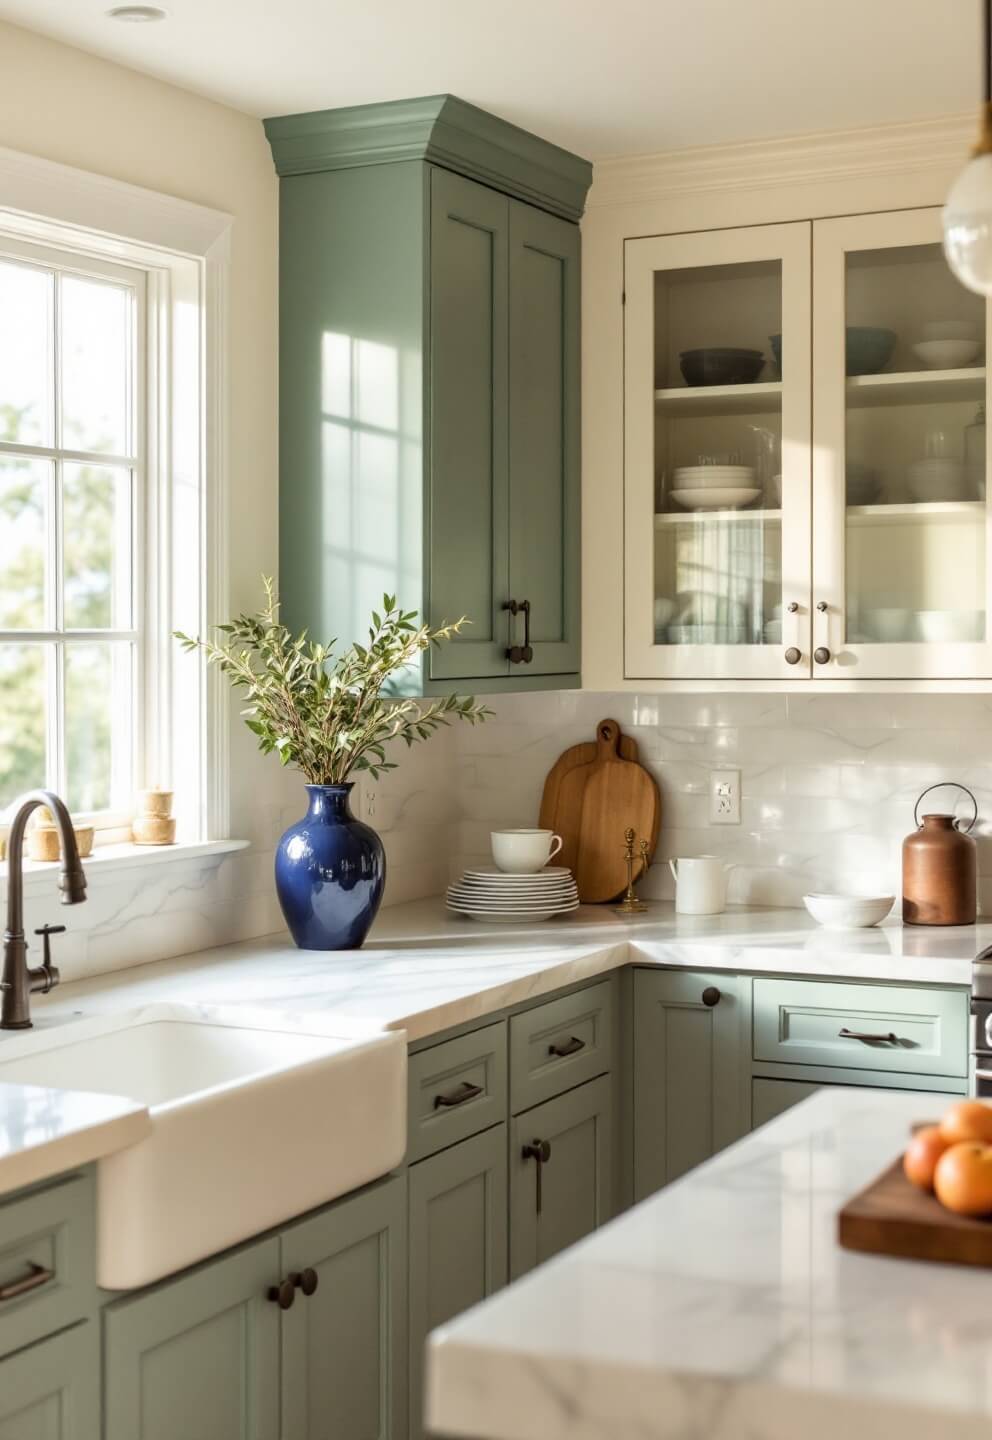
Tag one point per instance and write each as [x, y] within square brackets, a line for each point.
[73, 518]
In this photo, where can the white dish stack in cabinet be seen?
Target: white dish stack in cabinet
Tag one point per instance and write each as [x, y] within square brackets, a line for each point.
[863, 554]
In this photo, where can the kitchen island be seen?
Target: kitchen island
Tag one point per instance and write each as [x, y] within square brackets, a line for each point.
[722, 1308]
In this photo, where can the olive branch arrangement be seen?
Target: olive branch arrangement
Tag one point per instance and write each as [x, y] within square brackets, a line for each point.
[325, 715]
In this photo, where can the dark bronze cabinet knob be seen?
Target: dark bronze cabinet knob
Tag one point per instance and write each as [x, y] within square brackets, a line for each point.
[792, 606]
[282, 1294]
[793, 655]
[821, 655]
[821, 605]
[306, 1280]
[711, 996]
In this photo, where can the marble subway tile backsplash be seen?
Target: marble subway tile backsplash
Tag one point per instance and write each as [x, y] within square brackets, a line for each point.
[828, 783]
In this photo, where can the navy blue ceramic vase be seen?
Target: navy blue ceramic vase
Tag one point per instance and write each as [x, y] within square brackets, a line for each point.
[330, 873]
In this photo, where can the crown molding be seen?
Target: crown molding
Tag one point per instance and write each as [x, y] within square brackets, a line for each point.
[765, 164]
[33, 186]
[441, 129]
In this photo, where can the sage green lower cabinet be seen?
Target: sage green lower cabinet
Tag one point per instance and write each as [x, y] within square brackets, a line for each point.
[770, 1098]
[567, 1192]
[209, 1356]
[458, 1241]
[691, 1071]
[344, 1346]
[51, 1390]
[198, 1356]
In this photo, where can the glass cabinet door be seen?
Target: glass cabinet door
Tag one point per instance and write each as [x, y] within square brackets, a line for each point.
[900, 514]
[717, 454]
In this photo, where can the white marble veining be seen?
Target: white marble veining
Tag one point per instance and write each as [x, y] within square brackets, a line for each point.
[723, 1308]
[424, 971]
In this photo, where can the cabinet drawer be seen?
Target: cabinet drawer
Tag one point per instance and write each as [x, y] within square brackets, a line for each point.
[457, 1088]
[556, 1046]
[47, 1264]
[861, 1027]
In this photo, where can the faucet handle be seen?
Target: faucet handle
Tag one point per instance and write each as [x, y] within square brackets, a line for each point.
[46, 932]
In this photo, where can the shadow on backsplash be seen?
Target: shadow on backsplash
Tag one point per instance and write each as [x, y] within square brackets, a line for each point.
[828, 782]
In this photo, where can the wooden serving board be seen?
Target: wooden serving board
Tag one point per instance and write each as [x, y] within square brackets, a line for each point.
[893, 1217]
[594, 792]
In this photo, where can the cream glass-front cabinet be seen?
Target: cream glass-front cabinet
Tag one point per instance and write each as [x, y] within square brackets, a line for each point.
[805, 460]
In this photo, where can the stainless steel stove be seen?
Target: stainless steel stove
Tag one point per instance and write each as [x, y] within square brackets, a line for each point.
[981, 1021]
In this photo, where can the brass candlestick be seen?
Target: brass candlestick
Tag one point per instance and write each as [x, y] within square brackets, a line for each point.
[630, 905]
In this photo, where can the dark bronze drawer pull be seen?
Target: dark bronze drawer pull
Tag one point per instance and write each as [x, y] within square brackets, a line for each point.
[520, 654]
[306, 1280]
[539, 1150]
[465, 1091]
[37, 1276]
[282, 1294]
[572, 1046]
[868, 1039]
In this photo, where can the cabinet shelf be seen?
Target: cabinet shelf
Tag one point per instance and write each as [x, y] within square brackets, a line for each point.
[686, 400]
[665, 518]
[916, 387]
[936, 512]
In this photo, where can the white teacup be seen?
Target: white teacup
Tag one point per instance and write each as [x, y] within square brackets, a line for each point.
[524, 852]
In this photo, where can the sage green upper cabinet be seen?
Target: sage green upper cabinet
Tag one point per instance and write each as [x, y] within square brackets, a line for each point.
[469, 488]
[429, 384]
[691, 1071]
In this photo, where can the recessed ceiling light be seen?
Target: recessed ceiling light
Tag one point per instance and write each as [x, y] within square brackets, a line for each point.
[137, 14]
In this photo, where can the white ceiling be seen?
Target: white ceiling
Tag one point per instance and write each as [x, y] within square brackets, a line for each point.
[602, 77]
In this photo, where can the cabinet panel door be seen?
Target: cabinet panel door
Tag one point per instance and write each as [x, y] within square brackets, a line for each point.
[468, 516]
[51, 1391]
[344, 1347]
[902, 579]
[574, 1194]
[544, 436]
[198, 1356]
[457, 1241]
[717, 560]
[691, 1072]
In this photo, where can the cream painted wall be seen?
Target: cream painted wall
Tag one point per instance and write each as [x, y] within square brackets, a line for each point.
[70, 107]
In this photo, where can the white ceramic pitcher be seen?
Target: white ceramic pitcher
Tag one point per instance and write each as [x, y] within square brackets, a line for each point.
[700, 884]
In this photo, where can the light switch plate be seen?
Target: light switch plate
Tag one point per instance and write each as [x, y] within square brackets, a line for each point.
[725, 797]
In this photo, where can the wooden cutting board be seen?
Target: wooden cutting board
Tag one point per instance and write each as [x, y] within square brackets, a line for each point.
[593, 792]
[893, 1217]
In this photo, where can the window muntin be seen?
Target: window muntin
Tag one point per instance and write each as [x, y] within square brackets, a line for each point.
[71, 517]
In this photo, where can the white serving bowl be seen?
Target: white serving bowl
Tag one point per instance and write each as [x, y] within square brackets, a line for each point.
[848, 912]
[949, 330]
[946, 354]
[936, 480]
[890, 625]
[949, 626]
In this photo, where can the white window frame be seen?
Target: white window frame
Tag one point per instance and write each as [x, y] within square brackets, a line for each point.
[183, 251]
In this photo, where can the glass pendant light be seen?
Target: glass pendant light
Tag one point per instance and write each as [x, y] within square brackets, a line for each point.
[967, 216]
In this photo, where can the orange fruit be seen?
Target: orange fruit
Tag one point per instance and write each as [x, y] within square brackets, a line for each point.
[962, 1179]
[967, 1120]
[920, 1159]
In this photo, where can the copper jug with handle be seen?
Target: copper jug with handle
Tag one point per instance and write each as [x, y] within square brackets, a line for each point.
[940, 868]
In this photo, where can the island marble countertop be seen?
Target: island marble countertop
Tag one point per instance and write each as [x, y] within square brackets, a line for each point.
[723, 1308]
[425, 970]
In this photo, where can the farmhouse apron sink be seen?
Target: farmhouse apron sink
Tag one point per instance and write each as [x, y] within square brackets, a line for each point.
[250, 1126]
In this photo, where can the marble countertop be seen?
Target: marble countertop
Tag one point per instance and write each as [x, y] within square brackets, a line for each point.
[424, 970]
[47, 1132]
[723, 1308]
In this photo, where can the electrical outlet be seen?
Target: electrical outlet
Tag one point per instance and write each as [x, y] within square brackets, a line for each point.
[368, 800]
[725, 797]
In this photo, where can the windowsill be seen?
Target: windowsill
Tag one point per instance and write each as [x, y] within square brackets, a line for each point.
[107, 860]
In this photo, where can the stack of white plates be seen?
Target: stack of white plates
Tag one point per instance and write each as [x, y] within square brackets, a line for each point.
[490, 894]
[714, 487]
